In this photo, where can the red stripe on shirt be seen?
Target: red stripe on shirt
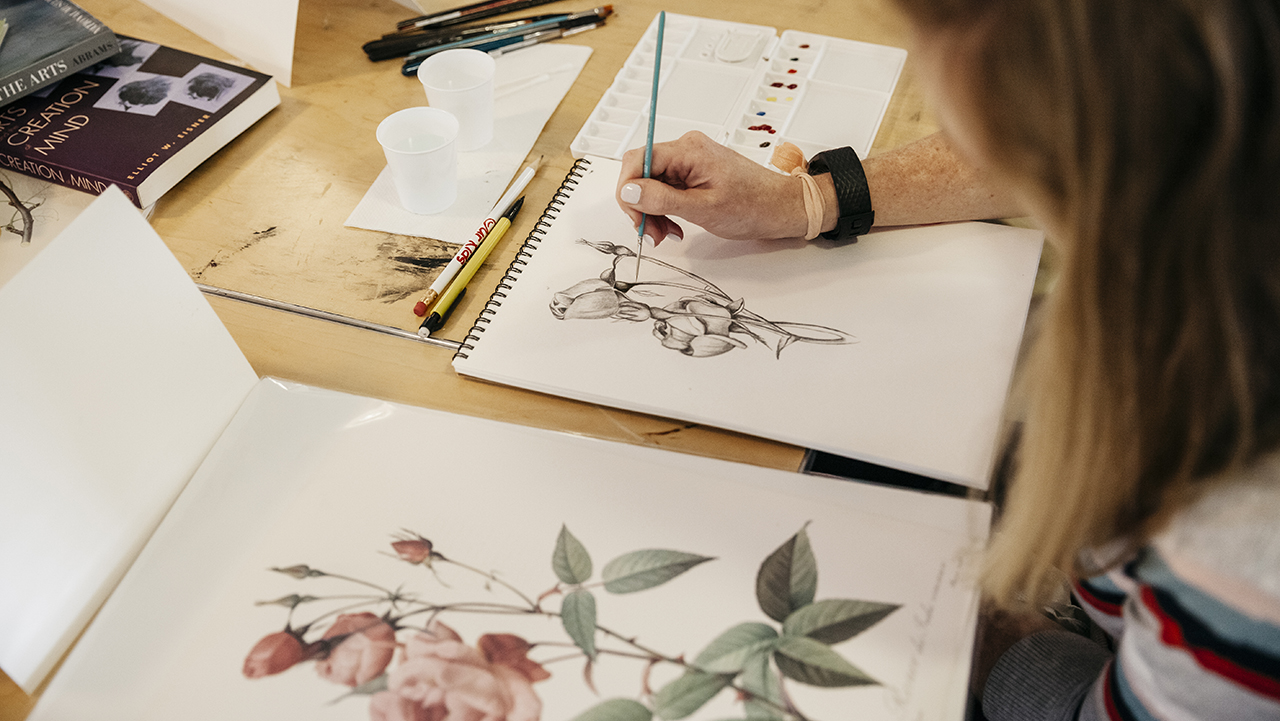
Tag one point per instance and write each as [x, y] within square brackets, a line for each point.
[1108, 695]
[1171, 633]
[1111, 609]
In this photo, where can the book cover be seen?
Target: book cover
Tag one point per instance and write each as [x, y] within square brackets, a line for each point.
[142, 119]
[43, 41]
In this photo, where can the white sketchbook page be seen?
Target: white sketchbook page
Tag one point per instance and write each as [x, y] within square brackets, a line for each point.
[935, 314]
[520, 112]
[116, 378]
[304, 476]
[260, 33]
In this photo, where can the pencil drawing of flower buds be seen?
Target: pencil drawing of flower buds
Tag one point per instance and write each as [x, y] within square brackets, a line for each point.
[632, 311]
[274, 653]
[360, 649]
[587, 300]
[696, 328]
[605, 246]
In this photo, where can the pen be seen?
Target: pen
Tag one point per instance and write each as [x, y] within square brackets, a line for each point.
[648, 144]
[517, 187]
[522, 32]
[543, 37]
[459, 284]
[475, 11]
[398, 44]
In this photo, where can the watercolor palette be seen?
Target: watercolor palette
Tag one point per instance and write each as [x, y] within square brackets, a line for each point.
[748, 88]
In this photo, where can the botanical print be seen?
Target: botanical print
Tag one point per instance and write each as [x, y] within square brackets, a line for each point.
[694, 316]
[395, 649]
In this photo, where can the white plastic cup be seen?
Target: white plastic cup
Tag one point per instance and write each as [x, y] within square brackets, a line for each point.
[461, 82]
[421, 149]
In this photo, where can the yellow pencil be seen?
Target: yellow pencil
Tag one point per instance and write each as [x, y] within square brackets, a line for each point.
[459, 285]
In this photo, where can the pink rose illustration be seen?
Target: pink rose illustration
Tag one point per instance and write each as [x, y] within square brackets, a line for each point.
[447, 680]
[363, 648]
[413, 550]
[276, 652]
[391, 706]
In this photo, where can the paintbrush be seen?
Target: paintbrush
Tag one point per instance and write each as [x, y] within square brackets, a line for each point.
[648, 143]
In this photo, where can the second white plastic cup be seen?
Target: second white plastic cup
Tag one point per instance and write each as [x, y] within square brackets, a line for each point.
[461, 82]
[421, 149]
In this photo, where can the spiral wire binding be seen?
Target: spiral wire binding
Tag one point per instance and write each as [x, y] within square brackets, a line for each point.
[530, 244]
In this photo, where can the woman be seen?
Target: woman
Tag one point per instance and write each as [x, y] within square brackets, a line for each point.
[1144, 136]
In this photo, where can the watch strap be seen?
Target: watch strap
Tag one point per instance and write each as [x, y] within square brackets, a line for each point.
[852, 194]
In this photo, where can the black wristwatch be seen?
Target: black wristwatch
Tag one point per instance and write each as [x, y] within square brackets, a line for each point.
[852, 194]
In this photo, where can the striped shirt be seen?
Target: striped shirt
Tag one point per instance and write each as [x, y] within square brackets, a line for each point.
[1195, 620]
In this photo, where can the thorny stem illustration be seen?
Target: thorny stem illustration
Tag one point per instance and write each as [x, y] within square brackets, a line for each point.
[492, 577]
[642, 652]
[28, 222]
[738, 656]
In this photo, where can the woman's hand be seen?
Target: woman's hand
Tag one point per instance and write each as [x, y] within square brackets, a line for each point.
[708, 184]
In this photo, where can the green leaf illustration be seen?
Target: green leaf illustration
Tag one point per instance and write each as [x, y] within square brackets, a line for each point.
[836, 620]
[687, 694]
[578, 613]
[368, 688]
[639, 570]
[812, 662]
[788, 578]
[731, 649]
[570, 561]
[616, 709]
[758, 679]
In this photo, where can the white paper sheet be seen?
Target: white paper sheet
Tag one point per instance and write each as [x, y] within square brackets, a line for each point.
[260, 33]
[483, 174]
[304, 476]
[116, 378]
[933, 315]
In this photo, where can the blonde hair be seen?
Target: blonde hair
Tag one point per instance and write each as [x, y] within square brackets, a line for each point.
[1147, 133]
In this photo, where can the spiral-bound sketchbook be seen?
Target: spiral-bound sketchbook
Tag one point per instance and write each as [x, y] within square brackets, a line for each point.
[897, 349]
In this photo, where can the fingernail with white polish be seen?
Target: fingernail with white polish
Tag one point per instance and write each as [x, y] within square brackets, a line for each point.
[672, 236]
[649, 239]
[630, 193]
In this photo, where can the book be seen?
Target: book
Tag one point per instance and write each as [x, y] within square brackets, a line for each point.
[141, 120]
[290, 551]
[897, 350]
[43, 41]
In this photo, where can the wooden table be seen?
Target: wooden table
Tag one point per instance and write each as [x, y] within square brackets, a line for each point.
[278, 196]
